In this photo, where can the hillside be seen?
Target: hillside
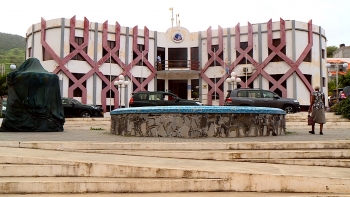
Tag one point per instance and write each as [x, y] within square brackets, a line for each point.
[12, 50]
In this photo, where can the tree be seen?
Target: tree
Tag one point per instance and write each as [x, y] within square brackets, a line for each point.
[330, 50]
[344, 80]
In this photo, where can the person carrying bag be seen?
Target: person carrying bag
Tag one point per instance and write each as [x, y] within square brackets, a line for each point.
[317, 110]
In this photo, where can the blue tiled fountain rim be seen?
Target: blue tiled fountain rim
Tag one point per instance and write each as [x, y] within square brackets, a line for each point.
[198, 110]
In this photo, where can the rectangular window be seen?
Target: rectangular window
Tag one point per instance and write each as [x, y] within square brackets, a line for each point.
[30, 52]
[243, 46]
[275, 43]
[111, 45]
[215, 48]
[195, 88]
[46, 55]
[323, 82]
[177, 57]
[194, 58]
[79, 41]
[323, 53]
[140, 47]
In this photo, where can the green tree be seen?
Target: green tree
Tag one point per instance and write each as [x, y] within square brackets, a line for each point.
[344, 80]
[330, 50]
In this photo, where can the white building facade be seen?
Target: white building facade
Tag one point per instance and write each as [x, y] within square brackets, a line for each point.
[286, 57]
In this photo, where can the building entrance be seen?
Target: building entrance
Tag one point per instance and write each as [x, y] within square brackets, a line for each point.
[178, 87]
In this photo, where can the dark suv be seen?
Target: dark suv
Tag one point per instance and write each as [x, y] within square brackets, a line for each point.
[261, 98]
[158, 98]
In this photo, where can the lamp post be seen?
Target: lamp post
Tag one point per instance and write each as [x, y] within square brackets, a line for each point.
[122, 84]
[345, 65]
[233, 79]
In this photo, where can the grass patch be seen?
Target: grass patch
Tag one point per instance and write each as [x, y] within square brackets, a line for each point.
[290, 132]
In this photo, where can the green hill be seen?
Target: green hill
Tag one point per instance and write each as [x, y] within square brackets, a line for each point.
[12, 50]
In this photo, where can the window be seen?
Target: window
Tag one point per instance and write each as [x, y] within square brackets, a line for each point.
[243, 46]
[308, 56]
[276, 58]
[323, 53]
[141, 48]
[30, 52]
[157, 97]
[194, 58]
[79, 41]
[111, 45]
[195, 88]
[46, 55]
[267, 94]
[323, 82]
[142, 96]
[177, 57]
[242, 93]
[169, 97]
[215, 48]
[65, 101]
[254, 94]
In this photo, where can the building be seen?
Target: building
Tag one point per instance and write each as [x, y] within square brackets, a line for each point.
[342, 52]
[287, 57]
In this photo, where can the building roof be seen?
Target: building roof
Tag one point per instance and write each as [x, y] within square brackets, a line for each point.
[339, 60]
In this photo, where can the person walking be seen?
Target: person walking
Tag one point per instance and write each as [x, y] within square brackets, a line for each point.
[317, 109]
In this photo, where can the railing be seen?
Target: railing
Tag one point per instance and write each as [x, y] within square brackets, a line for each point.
[178, 65]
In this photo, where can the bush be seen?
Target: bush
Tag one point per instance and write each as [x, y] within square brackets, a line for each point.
[343, 108]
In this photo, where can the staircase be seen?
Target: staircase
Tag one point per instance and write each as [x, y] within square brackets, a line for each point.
[175, 169]
[222, 167]
[299, 121]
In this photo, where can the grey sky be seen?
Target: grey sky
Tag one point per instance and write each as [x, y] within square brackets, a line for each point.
[17, 16]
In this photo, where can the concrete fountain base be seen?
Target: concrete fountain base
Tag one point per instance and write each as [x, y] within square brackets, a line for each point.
[198, 121]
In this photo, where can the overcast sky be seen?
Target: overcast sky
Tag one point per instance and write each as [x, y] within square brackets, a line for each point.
[17, 16]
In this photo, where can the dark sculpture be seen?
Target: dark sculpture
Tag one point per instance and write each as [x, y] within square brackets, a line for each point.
[34, 101]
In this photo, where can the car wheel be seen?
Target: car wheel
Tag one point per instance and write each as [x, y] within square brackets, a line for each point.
[289, 109]
[85, 114]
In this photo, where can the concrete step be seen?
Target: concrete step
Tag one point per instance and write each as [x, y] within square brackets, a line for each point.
[192, 145]
[344, 163]
[104, 172]
[290, 126]
[15, 185]
[230, 155]
[185, 194]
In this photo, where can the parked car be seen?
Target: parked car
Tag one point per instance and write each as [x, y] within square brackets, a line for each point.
[261, 98]
[74, 108]
[158, 98]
